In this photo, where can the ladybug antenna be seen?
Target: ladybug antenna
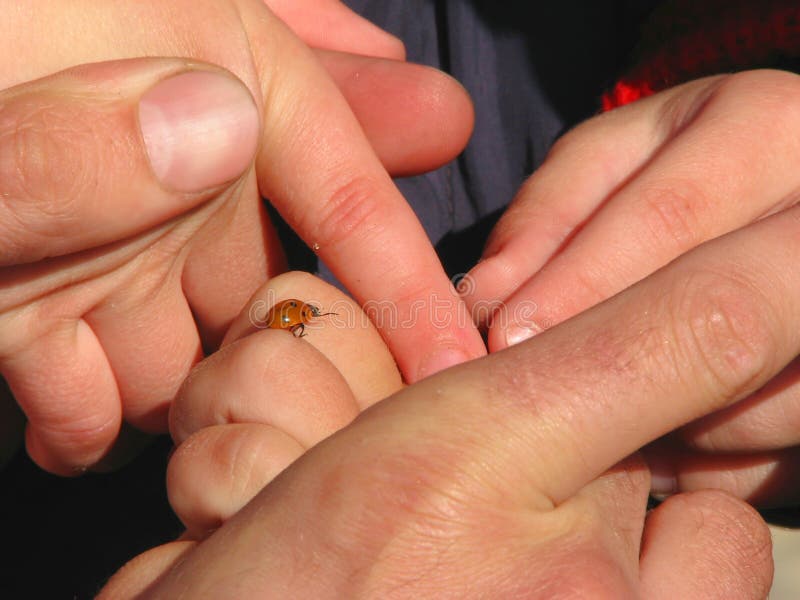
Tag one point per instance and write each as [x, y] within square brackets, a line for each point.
[315, 311]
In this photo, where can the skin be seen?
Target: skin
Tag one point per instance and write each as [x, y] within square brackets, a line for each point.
[265, 397]
[91, 297]
[515, 475]
[624, 194]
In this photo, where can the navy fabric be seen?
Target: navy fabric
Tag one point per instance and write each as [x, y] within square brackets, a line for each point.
[532, 70]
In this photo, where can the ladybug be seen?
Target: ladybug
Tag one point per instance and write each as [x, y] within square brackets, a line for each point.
[293, 315]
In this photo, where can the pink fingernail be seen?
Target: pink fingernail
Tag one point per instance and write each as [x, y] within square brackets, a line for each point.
[439, 361]
[663, 480]
[516, 334]
[200, 129]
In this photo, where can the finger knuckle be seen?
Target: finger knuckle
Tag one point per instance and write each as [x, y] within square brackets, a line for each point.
[672, 212]
[745, 106]
[732, 530]
[765, 89]
[354, 206]
[724, 331]
[50, 157]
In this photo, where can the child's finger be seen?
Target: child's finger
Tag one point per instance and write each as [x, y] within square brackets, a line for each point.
[705, 545]
[678, 193]
[348, 339]
[416, 119]
[219, 469]
[583, 167]
[346, 207]
[268, 377]
[134, 579]
[608, 516]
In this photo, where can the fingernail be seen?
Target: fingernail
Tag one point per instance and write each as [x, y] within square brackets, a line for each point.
[440, 360]
[663, 484]
[516, 334]
[663, 481]
[200, 130]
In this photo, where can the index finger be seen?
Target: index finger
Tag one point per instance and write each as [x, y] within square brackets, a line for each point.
[318, 169]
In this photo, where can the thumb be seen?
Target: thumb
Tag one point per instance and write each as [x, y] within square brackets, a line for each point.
[104, 151]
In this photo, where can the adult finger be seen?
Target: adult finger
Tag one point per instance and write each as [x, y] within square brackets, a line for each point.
[702, 333]
[415, 117]
[769, 419]
[705, 545]
[332, 25]
[123, 130]
[68, 433]
[152, 310]
[219, 469]
[347, 208]
[138, 575]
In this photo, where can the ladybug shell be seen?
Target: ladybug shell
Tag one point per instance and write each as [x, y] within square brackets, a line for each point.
[289, 314]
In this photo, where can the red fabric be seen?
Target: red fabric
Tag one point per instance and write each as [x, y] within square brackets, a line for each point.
[685, 39]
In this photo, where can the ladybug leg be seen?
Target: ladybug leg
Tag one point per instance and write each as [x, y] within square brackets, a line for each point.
[299, 327]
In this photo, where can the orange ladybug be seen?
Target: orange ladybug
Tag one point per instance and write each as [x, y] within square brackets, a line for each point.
[293, 315]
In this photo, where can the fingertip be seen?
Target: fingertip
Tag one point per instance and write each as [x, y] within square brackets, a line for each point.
[137, 577]
[706, 544]
[67, 460]
[74, 411]
[416, 118]
[439, 360]
[217, 470]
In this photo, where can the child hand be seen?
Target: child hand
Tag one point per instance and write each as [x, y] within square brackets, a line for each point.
[254, 406]
[629, 191]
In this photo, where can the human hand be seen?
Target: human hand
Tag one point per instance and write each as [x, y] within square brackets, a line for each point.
[627, 192]
[251, 408]
[103, 306]
[513, 475]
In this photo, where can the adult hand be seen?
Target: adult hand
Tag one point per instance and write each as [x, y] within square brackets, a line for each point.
[627, 192]
[103, 305]
[513, 475]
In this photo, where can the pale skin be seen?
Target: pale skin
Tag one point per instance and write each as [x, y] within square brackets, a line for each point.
[392, 429]
[510, 476]
[94, 295]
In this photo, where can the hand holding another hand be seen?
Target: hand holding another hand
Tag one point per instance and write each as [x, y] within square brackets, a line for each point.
[132, 229]
[516, 474]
